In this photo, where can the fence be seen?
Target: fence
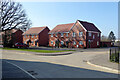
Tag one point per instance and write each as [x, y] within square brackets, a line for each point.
[115, 54]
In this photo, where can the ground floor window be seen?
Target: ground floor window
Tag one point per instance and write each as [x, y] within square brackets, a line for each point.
[74, 43]
[62, 42]
[51, 42]
[80, 43]
[97, 43]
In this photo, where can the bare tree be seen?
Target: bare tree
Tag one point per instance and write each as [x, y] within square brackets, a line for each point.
[13, 16]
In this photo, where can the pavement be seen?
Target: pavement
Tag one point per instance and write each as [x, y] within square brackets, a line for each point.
[103, 61]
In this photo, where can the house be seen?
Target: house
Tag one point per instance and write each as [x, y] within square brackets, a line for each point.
[80, 34]
[36, 36]
[12, 36]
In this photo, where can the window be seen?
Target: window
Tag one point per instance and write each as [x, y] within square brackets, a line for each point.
[74, 43]
[32, 42]
[51, 35]
[56, 34]
[90, 33]
[35, 35]
[80, 34]
[61, 34]
[73, 34]
[51, 42]
[62, 42]
[97, 43]
[80, 43]
[66, 34]
[98, 34]
[32, 36]
[93, 36]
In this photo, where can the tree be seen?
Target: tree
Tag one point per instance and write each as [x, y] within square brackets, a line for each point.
[111, 36]
[13, 16]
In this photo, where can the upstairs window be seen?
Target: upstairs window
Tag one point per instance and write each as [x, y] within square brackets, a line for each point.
[61, 34]
[80, 43]
[73, 34]
[24, 36]
[56, 34]
[66, 34]
[80, 34]
[32, 36]
[98, 34]
[90, 33]
[51, 35]
[93, 36]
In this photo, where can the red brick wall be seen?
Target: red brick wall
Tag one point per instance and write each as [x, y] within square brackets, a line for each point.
[44, 37]
[93, 42]
[78, 28]
[18, 36]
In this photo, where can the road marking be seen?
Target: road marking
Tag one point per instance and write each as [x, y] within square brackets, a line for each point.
[116, 71]
[22, 70]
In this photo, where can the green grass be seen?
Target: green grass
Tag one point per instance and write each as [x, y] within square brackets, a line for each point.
[40, 51]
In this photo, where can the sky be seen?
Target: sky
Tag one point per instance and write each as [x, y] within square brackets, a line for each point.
[103, 14]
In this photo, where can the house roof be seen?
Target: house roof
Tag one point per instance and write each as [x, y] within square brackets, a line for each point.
[89, 26]
[67, 27]
[34, 30]
[62, 28]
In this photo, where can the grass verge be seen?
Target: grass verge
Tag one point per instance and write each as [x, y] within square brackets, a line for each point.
[40, 51]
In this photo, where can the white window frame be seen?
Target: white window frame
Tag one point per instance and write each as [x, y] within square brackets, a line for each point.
[51, 42]
[51, 35]
[90, 34]
[74, 43]
[80, 34]
[61, 34]
[80, 42]
[73, 34]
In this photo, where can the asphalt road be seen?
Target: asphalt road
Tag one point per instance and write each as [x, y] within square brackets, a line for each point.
[64, 66]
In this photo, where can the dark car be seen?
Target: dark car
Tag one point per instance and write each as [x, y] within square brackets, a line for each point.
[21, 45]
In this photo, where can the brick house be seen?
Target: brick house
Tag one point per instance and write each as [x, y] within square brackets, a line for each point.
[13, 36]
[36, 36]
[80, 34]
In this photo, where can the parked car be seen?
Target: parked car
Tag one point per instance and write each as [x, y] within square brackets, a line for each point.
[21, 45]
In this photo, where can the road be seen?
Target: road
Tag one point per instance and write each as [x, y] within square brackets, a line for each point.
[63, 66]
